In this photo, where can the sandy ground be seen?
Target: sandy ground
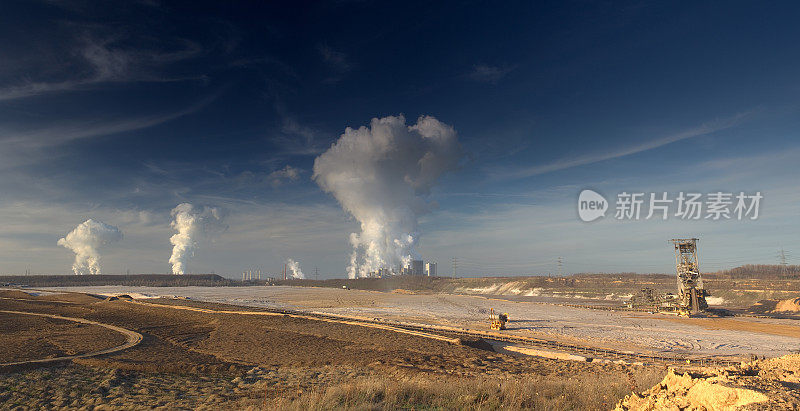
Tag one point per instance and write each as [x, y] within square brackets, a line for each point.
[639, 332]
[191, 360]
[25, 337]
[772, 384]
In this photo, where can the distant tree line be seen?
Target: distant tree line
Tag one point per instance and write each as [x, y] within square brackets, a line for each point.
[143, 280]
[766, 271]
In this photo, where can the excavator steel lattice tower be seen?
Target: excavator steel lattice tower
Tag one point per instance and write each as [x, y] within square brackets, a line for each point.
[691, 294]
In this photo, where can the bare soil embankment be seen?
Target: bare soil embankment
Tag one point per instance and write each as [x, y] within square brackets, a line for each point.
[738, 289]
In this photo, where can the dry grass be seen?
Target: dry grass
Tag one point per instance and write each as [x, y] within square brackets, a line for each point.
[424, 392]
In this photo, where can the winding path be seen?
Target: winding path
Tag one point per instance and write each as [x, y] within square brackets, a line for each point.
[133, 338]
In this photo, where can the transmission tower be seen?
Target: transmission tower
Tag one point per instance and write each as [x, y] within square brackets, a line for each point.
[560, 266]
[316, 273]
[455, 266]
[782, 256]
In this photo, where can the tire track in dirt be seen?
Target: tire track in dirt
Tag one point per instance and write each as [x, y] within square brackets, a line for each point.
[133, 338]
[341, 320]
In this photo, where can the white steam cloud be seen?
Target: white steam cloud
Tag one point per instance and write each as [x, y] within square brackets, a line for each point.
[294, 267]
[192, 225]
[381, 175]
[86, 240]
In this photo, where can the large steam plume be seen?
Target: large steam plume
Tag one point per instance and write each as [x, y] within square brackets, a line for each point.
[192, 225]
[86, 240]
[294, 267]
[381, 175]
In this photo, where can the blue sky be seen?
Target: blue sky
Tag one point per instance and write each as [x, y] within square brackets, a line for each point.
[119, 111]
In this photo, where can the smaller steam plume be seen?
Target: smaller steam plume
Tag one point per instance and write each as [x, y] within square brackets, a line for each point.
[85, 241]
[192, 225]
[294, 267]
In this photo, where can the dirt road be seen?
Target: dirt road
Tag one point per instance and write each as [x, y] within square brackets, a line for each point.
[132, 339]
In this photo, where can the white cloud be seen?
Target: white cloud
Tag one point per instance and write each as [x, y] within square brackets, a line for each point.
[288, 173]
[589, 158]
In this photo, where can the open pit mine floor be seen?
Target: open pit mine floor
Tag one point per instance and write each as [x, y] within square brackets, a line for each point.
[658, 335]
[221, 347]
[209, 359]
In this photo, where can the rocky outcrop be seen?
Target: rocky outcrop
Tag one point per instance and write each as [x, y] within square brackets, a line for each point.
[765, 384]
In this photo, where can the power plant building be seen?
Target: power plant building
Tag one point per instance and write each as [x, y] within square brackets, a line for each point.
[430, 269]
[415, 267]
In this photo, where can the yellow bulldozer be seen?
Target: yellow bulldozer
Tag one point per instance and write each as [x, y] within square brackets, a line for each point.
[498, 321]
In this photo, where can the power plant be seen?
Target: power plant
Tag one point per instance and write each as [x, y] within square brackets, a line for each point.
[414, 267]
[250, 275]
[430, 269]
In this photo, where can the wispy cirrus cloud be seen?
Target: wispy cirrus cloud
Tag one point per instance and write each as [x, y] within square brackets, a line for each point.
[92, 60]
[338, 61]
[254, 180]
[489, 74]
[595, 157]
[24, 147]
[287, 173]
[296, 138]
[62, 133]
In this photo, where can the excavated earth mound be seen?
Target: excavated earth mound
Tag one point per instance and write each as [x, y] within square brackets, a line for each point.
[790, 305]
[761, 385]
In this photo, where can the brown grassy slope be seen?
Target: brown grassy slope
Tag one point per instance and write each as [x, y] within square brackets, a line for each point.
[583, 392]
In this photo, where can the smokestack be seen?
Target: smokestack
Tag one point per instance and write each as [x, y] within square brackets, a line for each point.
[381, 175]
[192, 225]
[85, 241]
